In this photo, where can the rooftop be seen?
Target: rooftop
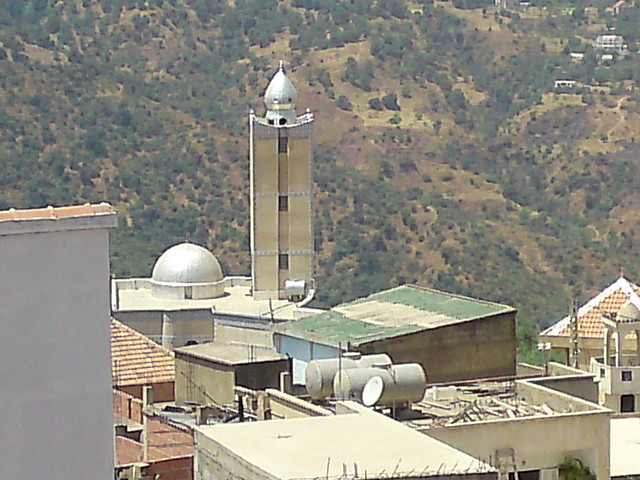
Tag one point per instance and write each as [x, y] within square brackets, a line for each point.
[472, 402]
[228, 354]
[164, 441]
[353, 444]
[136, 360]
[391, 313]
[590, 323]
[625, 437]
[76, 217]
[135, 295]
[489, 400]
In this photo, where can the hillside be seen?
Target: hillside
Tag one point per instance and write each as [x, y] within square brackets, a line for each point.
[444, 157]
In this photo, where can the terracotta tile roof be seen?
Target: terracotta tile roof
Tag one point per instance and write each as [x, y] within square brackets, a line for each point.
[55, 213]
[590, 314]
[137, 360]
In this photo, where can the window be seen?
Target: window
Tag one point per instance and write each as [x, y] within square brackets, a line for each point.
[283, 261]
[627, 404]
[283, 144]
[627, 375]
[283, 203]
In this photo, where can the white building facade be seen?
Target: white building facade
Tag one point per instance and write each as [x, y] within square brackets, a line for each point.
[55, 374]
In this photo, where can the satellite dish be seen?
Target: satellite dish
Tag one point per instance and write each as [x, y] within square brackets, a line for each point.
[372, 391]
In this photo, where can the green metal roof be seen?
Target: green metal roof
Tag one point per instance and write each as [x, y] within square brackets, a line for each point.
[457, 306]
[440, 309]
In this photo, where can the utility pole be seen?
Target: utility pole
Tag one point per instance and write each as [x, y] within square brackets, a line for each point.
[573, 329]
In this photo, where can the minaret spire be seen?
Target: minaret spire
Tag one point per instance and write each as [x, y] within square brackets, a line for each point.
[280, 99]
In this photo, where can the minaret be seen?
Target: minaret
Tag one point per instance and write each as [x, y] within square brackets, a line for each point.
[281, 197]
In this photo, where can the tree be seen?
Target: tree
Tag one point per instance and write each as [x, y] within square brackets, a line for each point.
[376, 104]
[343, 103]
[390, 102]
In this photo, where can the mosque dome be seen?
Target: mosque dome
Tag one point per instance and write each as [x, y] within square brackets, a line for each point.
[280, 92]
[187, 263]
[628, 311]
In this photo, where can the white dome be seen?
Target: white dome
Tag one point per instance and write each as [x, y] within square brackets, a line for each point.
[187, 263]
[280, 91]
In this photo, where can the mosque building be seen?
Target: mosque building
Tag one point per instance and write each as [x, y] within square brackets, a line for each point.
[188, 299]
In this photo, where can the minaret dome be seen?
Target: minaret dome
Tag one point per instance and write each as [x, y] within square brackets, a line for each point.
[280, 99]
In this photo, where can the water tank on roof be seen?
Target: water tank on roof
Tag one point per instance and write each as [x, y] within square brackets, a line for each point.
[381, 386]
[319, 373]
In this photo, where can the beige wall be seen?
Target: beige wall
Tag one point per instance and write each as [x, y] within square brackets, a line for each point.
[476, 349]
[539, 442]
[203, 381]
[273, 232]
[282, 405]
[299, 231]
[197, 381]
[299, 177]
[571, 381]
[247, 336]
[266, 230]
[259, 376]
[192, 324]
[162, 392]
[213, 461]
[266, 165]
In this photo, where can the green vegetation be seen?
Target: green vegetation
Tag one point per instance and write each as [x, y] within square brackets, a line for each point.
[443, 155]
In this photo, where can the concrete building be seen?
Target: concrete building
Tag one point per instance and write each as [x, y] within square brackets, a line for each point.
[611, 43]
[137, 362]
[518, 426]
[57, 419]
[357, 443]
[451, 336]
[281, 196]
[208, 373]
[619, 374]
[589, 326]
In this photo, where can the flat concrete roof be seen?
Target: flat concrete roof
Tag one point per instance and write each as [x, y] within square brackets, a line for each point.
[334, 446]
[55, 219]
[229, 354]
[625, 446]
[237, 300]
[475, 401]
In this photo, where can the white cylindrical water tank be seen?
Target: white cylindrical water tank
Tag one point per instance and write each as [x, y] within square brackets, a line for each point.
[400, 384]
[319, 373]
